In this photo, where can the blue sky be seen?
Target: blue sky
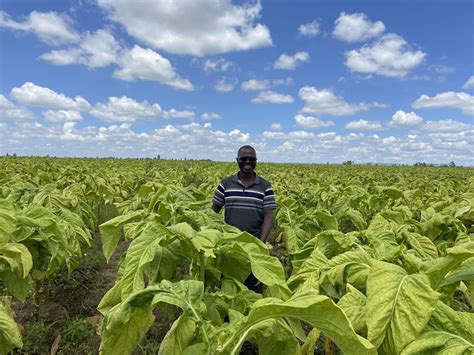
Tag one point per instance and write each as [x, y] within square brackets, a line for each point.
[302, 81]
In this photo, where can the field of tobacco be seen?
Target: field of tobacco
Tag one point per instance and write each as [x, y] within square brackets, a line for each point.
[362, 259]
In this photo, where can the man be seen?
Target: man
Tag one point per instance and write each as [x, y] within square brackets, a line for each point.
[247, 198]
[248, 201]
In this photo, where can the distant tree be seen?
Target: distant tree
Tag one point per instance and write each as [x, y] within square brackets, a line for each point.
[452, 164]
[348, 162]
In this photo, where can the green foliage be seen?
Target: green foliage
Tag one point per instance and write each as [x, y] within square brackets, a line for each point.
[392, 246]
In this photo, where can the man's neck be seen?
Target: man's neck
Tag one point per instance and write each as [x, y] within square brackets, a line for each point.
[247, 177]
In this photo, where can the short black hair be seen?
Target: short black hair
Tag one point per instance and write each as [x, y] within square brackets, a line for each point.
[246, 147]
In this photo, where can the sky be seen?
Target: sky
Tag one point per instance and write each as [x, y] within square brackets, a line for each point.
[301, 81]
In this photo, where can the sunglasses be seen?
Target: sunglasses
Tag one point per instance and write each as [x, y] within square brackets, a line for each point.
[250, 159]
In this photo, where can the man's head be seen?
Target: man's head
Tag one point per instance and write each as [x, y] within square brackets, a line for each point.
[246, 159]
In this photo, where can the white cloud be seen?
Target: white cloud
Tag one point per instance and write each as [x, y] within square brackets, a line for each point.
[177, 114]
[95, 50]
[442, 69]
[125, 109]
[449, 99]
[62, 116]
[447, 126]
[272, 98]
[389, 56]
[310, 29]
[469, 84]
[209, 116]
[197, 27]
[216, 65]
[289, 62]
[225, 84]
[311, 122]
[30, 94]
[356, 27]
[9, 111]
[50, 27]
[325, 102]
[292, 135]
[405, 119]
[255, 85]
[276, 126]
[69, 133]
[364, 125]
[146, 64]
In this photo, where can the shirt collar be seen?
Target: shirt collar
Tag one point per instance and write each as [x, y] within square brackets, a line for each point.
[235, 178]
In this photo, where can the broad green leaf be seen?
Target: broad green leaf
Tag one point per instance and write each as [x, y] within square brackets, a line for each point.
[349, 267]
[127, 323]
[326, 219]
[423, 246]
[110, 231]
[353, 303]
[356, 218]
[140, 253]
[398, 306]
[308, 306]
[178, 337]
[18, 256]
[7, 221]
[10, 336]
[447, 332]
[273, 337]
[437, 270]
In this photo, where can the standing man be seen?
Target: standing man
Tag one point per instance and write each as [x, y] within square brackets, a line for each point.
[247, 198]
[248, 201]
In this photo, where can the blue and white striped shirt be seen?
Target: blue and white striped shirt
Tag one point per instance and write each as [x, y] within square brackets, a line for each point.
[244, 206]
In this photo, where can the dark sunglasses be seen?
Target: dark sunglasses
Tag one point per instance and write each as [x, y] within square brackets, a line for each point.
[250, 159]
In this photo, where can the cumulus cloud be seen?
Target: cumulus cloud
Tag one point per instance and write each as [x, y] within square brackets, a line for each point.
[405, 119]
[389, 56]
[197, 27]
[216, 65]
[310, 29]
[146, 64]
[289, 62]
[62, 116]
[292, 135]
[448, 125]
[255, 85]
[9, 111]
[311, 122]
[210, 116]
[50, 27]
[128, 110]
[276, 126]
[356, 27]
[450, 99]
[30, 94]
[469, 84]
[326, 102]
[364, 125]
[272, 98]
[225, 84]
[95, 50]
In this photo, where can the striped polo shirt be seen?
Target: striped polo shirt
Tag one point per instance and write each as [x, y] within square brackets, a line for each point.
[244, 205]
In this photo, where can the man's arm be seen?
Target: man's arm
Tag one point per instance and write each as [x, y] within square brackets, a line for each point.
[216, 208]
[267, 223]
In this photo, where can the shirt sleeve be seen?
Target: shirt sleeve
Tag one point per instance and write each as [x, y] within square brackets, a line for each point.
[269, 199]
[219, 198]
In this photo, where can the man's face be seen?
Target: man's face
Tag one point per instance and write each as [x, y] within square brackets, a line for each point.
[247, 161]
